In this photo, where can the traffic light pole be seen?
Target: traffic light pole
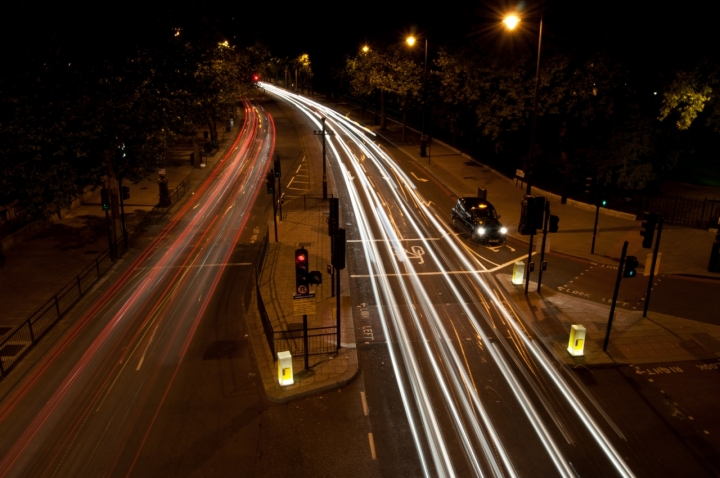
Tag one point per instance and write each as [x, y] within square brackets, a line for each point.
[324, 160]
[527, 271]
[279, 184]
[652, 268]
[113, 255]
[337, 298]
[305, 343]
[542, 251]
[275, 213]
[597, 215]
[615, 294]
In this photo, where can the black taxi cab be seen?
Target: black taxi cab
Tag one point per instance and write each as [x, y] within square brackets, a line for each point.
[478, 217]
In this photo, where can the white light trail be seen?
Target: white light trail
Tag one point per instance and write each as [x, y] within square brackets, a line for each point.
[385, 241]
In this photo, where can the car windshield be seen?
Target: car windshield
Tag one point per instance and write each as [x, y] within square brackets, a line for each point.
[484, 213]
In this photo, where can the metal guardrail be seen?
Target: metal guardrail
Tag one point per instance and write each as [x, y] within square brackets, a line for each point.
[24, 337]
[676, 210]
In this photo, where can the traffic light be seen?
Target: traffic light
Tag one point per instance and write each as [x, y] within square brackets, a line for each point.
[554, 220]
[647, 228]
[535, 212]
[338, 256]
[531, 214]
[105, 199]
[631, 263]
[315, 277]
[277, 167]
[603, 203]
[256, 78]
[302, 282]
[270, 182]
[125, 190]
[333, 219]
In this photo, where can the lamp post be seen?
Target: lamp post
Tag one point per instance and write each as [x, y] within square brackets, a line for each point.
[511, 21]
[423, 143]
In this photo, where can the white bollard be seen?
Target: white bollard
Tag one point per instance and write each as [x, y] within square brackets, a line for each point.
[285, 368]
[518, 275]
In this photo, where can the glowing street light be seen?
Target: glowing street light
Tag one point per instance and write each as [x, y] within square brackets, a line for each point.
[511, 21]
[365, 49]
[423, 142]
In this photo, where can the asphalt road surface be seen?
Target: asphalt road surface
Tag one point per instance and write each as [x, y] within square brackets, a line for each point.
[97, 404]
[474, 394]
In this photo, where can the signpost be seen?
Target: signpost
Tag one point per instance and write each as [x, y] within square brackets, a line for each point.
[304, 304]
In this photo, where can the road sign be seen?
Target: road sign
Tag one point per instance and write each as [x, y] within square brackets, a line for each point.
[304, 304]
[519, 173]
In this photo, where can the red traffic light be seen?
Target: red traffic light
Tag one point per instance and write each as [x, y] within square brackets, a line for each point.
[300, 259]
[256, 77]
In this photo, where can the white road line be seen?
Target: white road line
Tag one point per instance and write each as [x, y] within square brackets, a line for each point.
[372, 446]
[364, 403]
[440, 273]
[401, 240]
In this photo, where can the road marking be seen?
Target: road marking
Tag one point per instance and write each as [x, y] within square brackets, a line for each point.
[416, 252]
[485, 271]
[419, 179]
[658, 370]
[399, 240]
[372, 446]
[364, 403]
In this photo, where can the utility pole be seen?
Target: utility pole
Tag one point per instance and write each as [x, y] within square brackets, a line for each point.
[530, 264]
[652, 267]
[615, 294]
[542, 251]
[278, 175]
[324, 133]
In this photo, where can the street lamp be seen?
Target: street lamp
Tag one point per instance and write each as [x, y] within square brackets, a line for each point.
[365, 49]
[511, 22]
[423, 142]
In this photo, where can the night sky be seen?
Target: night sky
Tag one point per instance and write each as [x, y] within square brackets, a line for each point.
[651, 35]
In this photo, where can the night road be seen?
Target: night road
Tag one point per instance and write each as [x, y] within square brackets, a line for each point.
[89, 406]
[475, 393]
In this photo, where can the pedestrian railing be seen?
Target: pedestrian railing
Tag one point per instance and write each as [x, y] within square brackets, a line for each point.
[24, 337]
[161, 208]
[305, 202]
[321, 341]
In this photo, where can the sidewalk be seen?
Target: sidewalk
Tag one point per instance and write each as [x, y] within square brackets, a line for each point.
[277, 286]
[634, 339]
[37, 268]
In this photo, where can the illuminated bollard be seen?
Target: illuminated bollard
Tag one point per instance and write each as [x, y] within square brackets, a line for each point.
[285, 368]
[518, 273]
[576, 345]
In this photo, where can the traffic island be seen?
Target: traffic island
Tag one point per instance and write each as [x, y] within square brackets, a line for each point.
[327, 369]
